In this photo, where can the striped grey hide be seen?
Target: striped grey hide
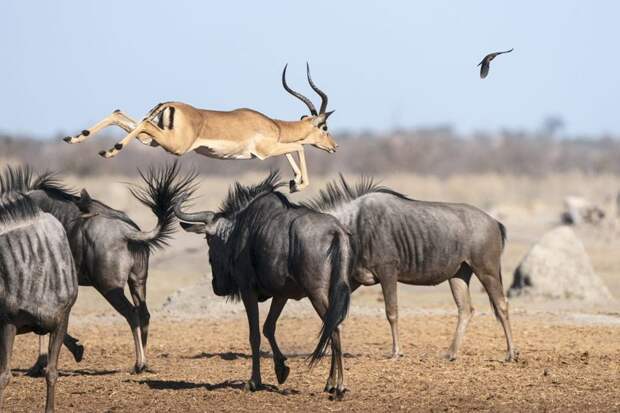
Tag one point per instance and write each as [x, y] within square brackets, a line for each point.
[38, 283]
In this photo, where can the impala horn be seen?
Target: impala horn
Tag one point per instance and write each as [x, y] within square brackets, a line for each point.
[317, 90]
[299, 95]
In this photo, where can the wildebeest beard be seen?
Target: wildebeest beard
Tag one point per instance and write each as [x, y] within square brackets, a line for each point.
[221, 262]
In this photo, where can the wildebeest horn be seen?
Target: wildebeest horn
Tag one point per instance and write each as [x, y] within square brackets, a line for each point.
[205, 216]
[297, 94]
[317, 90]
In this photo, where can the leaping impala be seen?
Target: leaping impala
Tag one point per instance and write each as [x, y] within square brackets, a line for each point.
[238, 134]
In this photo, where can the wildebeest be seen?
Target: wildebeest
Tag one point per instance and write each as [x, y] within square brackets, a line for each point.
[421, 243]
[109, 249]
[262, 246]
[38, 283]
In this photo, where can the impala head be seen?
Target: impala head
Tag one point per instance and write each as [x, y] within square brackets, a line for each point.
[316, 122]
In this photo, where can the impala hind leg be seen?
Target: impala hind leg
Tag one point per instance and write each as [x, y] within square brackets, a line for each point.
[269, 330]
[154, 137]
[459, 285]
[117, 118]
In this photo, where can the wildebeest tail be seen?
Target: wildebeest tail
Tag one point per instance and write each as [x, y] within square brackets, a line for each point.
[502, 231]
[163, 187]
[340, 258]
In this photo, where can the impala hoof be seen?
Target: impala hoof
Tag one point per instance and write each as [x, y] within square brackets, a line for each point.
[68, 139]
[292, 185]
[139, 369]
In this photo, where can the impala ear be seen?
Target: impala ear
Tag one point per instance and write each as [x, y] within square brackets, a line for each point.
[304, 117]
[322, 118]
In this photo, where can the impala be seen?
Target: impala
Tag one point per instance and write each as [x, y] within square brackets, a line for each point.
[238, 134]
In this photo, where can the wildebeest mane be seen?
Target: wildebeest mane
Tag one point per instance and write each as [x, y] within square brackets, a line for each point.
[23, 179]
[340, 192]
[239, 196]
[16, 209]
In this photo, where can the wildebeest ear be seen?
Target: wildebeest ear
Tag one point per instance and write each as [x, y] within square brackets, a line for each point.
[199, 228]
[85, 201]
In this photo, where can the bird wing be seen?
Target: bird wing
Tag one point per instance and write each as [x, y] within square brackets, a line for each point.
[506, 51]
[484, 70]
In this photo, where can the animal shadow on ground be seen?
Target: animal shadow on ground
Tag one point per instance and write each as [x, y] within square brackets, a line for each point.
[228, 384]
[230, 356]
[72, 373]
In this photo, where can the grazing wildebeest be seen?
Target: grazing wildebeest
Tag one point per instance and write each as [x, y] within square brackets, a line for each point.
[421, 243]
[263, 246]
[109, 249]
[38, 283]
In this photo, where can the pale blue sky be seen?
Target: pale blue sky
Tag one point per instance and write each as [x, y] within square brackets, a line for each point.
[66, 64]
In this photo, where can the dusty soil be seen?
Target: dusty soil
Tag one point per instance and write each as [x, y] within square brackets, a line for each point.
[201, 365]
[570, 351]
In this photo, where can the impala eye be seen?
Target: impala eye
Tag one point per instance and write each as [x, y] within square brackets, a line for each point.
[324, 127]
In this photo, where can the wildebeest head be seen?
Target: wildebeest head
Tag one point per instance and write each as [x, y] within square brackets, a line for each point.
[225, 240]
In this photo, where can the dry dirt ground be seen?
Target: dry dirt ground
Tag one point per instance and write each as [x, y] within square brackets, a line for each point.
[201, 365]
[569, 352]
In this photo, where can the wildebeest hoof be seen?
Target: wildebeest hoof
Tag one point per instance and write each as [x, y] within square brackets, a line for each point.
[38, 370]
[449, 356]
[251, 385]
[282, 371]
[137, 369]
[513, 356]
[78, 354]
[338, 394]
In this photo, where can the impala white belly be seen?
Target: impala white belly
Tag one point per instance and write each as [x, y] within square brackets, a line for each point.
[225, 149]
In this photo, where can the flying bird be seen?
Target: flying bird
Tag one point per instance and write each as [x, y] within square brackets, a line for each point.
[486, 62]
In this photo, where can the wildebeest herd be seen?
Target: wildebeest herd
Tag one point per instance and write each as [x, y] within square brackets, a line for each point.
[261, 245]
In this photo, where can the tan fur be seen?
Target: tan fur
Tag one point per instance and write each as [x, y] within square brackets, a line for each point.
[237, 134]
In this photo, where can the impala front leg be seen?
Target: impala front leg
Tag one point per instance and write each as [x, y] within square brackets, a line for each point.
[117, 118]
[293, 183]
[305, 180]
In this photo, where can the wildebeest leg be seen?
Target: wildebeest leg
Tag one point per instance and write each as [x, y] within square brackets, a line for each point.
[38, 369]
[117, 298]
[76, 349]
[51, 373]
[251, 308]
[269, 330]
[137, 288]
[337, 348]
[493, 285]
[459, 285]
[7, 337]
[320, 304]
[390, 296]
